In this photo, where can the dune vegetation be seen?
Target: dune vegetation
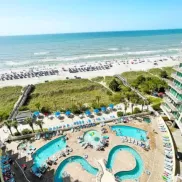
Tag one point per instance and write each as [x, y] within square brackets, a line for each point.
[68, 94]
[8, 97]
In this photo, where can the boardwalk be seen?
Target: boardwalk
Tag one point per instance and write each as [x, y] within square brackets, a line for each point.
[125, 83]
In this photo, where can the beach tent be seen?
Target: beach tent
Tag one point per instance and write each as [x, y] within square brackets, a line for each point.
[111, 106]
[96, 111]
[103, 109]
[68, 113]
[88, 113]
[57, 114]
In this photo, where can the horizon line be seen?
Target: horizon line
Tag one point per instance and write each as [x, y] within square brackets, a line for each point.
[106, 31]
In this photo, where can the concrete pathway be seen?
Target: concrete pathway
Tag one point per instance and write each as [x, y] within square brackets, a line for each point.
[107, 176]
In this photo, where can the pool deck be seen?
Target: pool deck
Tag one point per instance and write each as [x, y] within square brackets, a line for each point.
[153, 159]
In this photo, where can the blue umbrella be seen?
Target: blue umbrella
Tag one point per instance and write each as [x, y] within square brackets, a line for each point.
[54, 128]
[68, 113]
[111, 106]
[96, 111]
[88, 112]
[89, 121]
[103, 109]
[83, 122]
[50, 129]
[57, 114]
[36, 113]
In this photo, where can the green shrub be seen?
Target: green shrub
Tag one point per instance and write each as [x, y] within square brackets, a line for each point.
[136, 110]
[26, 131]
[17, 134]
[109, 92]
[156, 107]
[120, 113]
[128, 113]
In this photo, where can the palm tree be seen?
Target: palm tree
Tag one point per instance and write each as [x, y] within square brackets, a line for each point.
[15, 125]
[125, 106]
[29, 121]
[39, 123]
[8, 124]
[98, 99]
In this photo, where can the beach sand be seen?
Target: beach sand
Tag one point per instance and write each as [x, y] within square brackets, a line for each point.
[118, 67]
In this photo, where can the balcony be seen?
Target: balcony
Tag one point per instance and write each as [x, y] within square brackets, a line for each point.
[168, 114]
[169, 103]
[176, 77]
[171, 84]
[176, 100]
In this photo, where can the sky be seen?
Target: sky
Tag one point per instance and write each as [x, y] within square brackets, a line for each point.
[24, 17]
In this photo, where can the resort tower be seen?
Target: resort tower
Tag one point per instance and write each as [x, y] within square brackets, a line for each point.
[172, 105]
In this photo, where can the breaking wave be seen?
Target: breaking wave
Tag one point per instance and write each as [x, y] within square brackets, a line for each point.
[40, 53]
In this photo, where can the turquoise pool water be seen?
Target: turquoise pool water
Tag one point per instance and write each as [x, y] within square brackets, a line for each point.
[93, 137]
[129, 131]
[77, 159]
[48, 150]
[123, 175]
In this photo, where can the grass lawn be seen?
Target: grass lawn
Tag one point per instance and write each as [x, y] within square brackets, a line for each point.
[8, 97]
[63, 94]
[154, 100]
[132, 75]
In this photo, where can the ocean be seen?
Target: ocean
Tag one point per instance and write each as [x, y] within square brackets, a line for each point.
[39, 50]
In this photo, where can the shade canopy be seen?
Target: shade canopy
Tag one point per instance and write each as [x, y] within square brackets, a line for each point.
[36, 113]
[57, 114]
[68, 113]
[103, 109]
[88, 112]
[96, 111]
[111, 106]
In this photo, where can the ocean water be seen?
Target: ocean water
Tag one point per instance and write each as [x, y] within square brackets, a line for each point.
[25, 51]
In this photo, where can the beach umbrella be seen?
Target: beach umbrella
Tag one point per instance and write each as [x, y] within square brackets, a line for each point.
[103, 109]
[80, 122]
[83, 122]
[89, 121]
[111, 106]
[57, 114]
[88, 113]
[68, 113]
[54, 128]
[36, 113]
[96, 111]
[50, 129]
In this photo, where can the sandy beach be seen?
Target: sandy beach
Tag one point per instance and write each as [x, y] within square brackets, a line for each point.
[117, 67]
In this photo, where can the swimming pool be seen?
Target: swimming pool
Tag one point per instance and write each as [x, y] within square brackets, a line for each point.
[49, 149]
[93, 137]
[77, 159]
[129, 131]
[123, 175]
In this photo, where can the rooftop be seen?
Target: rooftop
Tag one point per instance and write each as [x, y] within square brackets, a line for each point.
[22, 115]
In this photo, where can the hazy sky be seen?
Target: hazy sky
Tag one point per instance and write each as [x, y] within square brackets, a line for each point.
[60, 16]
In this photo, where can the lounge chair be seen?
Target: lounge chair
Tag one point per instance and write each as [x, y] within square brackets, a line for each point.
[32, 147]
